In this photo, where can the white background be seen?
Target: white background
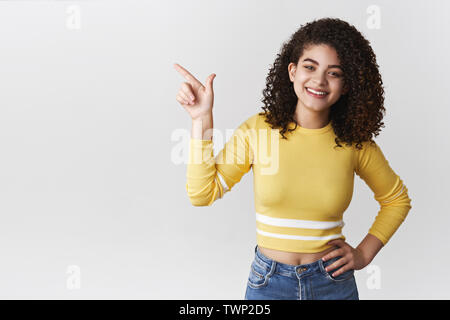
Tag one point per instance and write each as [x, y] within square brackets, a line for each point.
[87, 174]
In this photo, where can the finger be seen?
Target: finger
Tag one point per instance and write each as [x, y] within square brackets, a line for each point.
[182, 100]
[187, 89]
[185, 97]
[209, 82]
[334, 253]
[336, 242]
[336, 264]
[187, 75]
[340, 271]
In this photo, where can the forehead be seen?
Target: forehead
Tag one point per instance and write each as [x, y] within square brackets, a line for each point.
[322, 53]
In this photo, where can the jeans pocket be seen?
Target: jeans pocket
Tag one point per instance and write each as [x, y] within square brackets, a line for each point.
[259, 275]
[347, 275]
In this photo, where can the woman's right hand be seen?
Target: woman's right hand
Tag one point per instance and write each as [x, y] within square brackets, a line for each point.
[195, 98]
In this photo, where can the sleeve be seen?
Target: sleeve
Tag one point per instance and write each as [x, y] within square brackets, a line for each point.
[389, 190]
[209, 177]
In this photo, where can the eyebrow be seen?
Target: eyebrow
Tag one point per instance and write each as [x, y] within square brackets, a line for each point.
[329, 66]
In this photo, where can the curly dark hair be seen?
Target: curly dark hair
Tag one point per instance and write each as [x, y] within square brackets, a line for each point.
[358, 114]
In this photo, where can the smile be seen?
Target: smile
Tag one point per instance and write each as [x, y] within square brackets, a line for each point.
[316, 94]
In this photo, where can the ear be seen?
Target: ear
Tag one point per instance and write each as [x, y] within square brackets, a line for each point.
[291, 71]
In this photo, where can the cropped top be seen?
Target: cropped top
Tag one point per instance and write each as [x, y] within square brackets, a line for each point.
[302, 185]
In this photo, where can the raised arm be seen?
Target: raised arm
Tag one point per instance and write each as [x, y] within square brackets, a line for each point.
[209, 178]
[198, 101]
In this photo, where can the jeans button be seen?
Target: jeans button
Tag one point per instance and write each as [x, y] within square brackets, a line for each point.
[300, 270]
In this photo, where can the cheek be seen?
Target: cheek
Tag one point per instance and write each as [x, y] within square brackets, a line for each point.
[299, 85]
[299, 89]
[337, 87]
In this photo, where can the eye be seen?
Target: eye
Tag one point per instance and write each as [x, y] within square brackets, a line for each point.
[337, 75]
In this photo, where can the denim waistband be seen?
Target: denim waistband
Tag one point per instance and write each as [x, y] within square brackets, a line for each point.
[293, 270]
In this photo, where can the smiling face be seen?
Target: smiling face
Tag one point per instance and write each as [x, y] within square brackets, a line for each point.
[317, 69]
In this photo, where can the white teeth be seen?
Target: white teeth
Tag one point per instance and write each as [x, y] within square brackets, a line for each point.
[316, 92]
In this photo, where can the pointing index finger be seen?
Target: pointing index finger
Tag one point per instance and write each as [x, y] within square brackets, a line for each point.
[187, 75]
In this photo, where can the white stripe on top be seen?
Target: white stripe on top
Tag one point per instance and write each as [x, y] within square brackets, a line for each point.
[294, 237]
[219, 194]
[295, 223]
[396, 196]
[222, 182]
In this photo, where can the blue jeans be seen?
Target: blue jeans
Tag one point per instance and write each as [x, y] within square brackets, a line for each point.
[272, 280]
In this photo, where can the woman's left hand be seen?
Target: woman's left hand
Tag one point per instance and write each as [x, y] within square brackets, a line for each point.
[351, 258]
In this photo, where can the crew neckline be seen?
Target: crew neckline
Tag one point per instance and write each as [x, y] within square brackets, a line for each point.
[301, 129]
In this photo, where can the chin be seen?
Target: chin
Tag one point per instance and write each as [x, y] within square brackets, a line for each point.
[318, 109]
[319, 106]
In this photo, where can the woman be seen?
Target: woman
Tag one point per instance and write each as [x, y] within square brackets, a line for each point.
[324, 90]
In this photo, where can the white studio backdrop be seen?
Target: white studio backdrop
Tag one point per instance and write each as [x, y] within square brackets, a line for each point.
[93, 202]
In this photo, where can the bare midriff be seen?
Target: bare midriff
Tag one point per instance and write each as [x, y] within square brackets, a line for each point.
[294, 258]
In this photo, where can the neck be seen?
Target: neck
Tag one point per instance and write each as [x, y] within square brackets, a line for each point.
[311, 119]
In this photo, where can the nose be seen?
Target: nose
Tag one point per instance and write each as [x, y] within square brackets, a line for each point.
[320, 80]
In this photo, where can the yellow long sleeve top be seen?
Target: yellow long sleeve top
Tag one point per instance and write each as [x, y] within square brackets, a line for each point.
[302, 185]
